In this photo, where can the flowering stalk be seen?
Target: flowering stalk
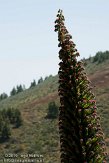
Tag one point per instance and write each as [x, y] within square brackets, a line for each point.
[81, 137]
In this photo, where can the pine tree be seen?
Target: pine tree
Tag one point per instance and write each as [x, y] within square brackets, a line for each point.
[13, 92]
[14, 116]
[33, 84]
[19, 88]
[3, 96]
[40, 80]
[4, 129]
[81, 137]
[52, 110]
[9, 113]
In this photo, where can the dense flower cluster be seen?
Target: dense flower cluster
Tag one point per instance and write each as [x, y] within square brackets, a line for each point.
[81, 137]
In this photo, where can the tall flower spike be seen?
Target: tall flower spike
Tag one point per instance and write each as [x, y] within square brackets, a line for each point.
[81, 137]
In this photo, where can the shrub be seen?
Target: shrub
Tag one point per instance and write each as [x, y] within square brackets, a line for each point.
[14, 116]
[52, 111]
[4, 129]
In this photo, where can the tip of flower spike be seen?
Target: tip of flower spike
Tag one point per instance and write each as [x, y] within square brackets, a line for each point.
[59, 11]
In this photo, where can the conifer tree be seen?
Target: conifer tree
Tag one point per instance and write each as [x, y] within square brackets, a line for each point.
[14, 116]
[52, 110]
[13, 92]
[5, 134]
[4, 129]
[40, 80]
[81, 136]
[19, 88]
[3, 96]
[33, 84]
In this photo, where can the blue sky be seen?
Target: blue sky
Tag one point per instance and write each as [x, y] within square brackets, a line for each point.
[28, 43]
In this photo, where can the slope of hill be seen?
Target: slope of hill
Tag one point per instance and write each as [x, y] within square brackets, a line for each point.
[40, 135]
[37, 134]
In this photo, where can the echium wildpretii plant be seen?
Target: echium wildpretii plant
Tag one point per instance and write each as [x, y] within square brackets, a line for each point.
[81, 137]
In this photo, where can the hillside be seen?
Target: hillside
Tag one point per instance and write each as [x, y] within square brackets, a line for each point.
[40, 135]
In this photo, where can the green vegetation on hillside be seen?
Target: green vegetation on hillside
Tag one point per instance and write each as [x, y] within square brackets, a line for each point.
[101, 57]
[97, 62]
[40, 135]
[21, 88]
[7, 117]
